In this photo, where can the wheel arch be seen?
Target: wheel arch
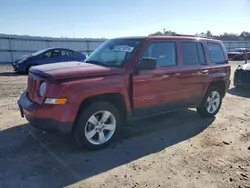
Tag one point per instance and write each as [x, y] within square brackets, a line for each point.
[221, 84]
[115, 99]
[29, 66]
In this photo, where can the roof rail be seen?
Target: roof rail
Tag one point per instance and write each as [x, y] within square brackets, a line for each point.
[193, 36]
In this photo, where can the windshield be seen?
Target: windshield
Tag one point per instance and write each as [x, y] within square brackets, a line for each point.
[114, 52]
[39, 52]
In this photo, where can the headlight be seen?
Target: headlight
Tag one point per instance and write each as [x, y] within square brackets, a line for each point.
[42, 89]
[21, 60]
[239, 67]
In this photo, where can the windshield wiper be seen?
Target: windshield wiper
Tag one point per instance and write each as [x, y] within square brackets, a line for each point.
[94, 62]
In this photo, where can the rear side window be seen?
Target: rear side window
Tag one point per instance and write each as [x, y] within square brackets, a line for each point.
[190, 53]
[215, 53]
[67, 53]
[163, 52]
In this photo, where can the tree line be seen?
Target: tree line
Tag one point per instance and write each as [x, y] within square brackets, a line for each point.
[243, 36]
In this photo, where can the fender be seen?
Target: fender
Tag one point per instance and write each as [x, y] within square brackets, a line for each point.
[78, 90]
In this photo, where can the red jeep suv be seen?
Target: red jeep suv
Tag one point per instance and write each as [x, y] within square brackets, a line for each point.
[126, 78]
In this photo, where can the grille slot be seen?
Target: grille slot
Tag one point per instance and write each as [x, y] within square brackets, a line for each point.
[33, 86]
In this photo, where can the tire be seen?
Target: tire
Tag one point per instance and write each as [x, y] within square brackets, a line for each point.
[96, 131]
[27, 70]
[203, 109]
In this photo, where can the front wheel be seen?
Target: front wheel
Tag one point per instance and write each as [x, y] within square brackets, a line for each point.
[97, 126]
[27, 70]
[211, 103]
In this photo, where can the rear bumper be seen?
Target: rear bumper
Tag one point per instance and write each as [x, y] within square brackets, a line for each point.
[45, 116]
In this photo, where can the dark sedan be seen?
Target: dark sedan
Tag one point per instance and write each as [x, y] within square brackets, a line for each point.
[46, 56]
[239, 54]
[242, 75]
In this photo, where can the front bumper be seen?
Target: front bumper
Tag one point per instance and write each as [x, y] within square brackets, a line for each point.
[45, 116]
[242, 78]
[16, 67]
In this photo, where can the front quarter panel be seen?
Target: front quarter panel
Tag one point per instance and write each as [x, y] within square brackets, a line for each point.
[76, 91]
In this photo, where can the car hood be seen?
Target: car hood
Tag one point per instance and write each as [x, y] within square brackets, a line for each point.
[72, 70]
[22, 57]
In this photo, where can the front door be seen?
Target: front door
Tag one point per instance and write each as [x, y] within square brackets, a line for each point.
[51, 56]
[155, 90]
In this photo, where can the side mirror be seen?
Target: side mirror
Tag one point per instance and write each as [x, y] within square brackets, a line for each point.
[147, 63]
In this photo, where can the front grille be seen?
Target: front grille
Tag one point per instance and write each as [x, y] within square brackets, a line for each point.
[33, 86]
[242, 76]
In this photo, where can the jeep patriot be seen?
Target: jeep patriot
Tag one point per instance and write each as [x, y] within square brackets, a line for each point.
[126, 78]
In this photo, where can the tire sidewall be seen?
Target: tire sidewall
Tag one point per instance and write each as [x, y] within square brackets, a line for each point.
[79, 132]
[203, 108]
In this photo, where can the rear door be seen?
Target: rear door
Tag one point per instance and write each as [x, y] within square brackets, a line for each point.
[67, 55]
[80, 56]
[194, 73]
[155, 91]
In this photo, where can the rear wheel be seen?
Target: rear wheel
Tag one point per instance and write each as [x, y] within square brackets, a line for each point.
[97, 126]
[211, 103]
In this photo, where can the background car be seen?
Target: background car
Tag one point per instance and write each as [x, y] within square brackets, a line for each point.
[47, 56]
[239, 53]
[242, 75]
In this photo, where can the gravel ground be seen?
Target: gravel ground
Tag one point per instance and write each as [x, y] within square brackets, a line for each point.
[178, 149]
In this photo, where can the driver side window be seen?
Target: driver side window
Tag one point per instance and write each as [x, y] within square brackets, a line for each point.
[163, 52]
[52, 54]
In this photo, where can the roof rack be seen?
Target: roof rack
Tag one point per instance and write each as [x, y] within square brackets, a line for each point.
[193, 36]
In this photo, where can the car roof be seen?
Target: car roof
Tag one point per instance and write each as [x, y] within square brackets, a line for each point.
[175, 37]
[56, 48]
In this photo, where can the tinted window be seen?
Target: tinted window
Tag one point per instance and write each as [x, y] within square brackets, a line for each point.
[67, 53]
[163, 52]
[215, 52]
[190, 53]
[201, 53]
[52, 53]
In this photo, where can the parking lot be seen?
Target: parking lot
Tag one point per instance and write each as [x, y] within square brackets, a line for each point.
[178, 149]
